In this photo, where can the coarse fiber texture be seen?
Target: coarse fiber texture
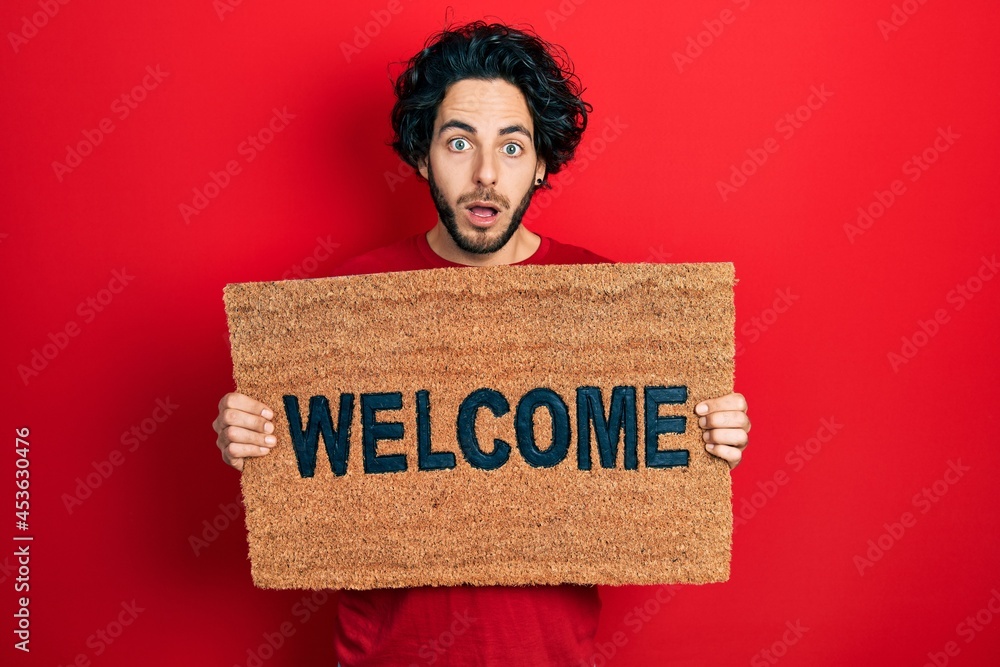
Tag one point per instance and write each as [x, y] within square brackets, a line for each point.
[511, 329]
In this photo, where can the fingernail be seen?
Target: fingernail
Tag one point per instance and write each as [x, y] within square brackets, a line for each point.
[263, 450]
[705, 436]
[270, 440]
[701, 408]
[702, 421]
[268, 427]
[710, 447]
[267, 414]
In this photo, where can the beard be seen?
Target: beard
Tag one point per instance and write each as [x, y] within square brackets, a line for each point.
[478, 242]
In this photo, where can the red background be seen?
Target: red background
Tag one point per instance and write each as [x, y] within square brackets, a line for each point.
[647, 192]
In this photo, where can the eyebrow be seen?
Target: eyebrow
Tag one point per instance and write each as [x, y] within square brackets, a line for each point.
[510, 129]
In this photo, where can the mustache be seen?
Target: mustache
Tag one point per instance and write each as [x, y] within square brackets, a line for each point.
[490, 196]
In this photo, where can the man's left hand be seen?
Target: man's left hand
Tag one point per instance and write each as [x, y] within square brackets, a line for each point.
[725, 424]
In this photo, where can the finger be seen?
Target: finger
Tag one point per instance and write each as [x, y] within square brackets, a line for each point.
[234, 417]
[732, 401]
[235, 462]
[734, 437]
[727, 419]
[236, 450]
[242, 436]
[237, 401]
[731, 455]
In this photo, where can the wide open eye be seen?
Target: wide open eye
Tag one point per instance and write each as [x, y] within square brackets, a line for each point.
[459, 144]
[512, 149]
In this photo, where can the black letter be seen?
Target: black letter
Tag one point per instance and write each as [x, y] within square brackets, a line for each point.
[372, 431]
[426, 459]
[466, 429]
[524, 426]
[306, 442]
[655, 425]
[590, 409]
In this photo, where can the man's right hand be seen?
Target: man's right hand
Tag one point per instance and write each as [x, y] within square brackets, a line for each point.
[244, 427]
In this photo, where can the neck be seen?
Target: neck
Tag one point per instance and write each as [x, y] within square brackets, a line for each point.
[520, 247]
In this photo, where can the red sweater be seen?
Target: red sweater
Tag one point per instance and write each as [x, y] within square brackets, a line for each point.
[465, 625]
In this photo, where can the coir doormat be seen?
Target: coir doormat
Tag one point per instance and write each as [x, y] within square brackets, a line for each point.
[487, 426]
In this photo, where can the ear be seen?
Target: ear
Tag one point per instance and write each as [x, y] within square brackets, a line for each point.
[540, 171]
[422, 167]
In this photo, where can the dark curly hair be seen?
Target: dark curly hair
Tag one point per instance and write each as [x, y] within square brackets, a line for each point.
[542, 71]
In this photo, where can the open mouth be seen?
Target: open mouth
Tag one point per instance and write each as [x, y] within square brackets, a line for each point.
[483, 211]
[482, 214]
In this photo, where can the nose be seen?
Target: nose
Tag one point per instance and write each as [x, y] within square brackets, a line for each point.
[485, 174]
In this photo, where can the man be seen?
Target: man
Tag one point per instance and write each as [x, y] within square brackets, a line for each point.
[485, 114]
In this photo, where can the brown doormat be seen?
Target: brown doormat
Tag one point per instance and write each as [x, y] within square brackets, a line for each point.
[430, 425]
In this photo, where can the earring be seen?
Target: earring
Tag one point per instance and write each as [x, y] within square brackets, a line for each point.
[539, 181]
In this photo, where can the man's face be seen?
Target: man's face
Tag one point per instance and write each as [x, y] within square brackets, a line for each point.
[482, 164]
